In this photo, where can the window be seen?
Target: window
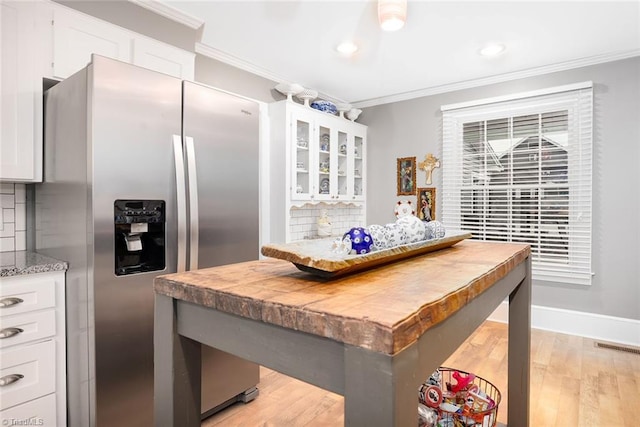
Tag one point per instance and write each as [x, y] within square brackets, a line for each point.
[518, 169]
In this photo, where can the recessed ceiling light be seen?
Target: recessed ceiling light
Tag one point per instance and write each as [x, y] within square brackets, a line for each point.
[347, 48]
[492, 49]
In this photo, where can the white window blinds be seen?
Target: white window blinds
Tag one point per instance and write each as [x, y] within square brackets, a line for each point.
[519, 169]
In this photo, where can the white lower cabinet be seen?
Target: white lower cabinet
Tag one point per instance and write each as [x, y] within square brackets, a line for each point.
[32, 413]
[27, 372]
[32, 350]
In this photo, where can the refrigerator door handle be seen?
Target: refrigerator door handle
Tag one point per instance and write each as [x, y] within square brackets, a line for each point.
[181, 197]
[193, 204]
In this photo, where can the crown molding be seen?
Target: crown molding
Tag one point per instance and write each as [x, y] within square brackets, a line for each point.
[161, 8]
[234, 61]
[531, 72]
[219, 55]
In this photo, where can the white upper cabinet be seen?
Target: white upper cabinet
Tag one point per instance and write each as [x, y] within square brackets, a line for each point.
[76, 36]
[325, 154]
[41, 39]
[23, 24]
[162, 57]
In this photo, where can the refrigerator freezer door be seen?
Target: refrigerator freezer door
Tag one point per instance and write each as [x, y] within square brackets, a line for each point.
[224, 129]
[134, 113]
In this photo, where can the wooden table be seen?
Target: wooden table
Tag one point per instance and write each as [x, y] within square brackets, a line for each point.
[372, 337]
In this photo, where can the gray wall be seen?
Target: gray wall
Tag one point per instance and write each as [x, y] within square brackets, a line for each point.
[223, 76]
[414, 128]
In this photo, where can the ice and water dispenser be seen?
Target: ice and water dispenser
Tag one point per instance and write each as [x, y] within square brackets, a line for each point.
[139, 236]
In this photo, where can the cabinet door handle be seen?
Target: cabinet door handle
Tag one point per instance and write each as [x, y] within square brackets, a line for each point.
[9, 332]
[10, 379]
[8, 302]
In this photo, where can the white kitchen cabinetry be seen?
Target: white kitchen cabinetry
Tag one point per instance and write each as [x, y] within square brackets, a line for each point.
[44, 39]
[315, 157]
[324, 154]
[76, 36]
[167, 59]
[23, 25]
[32, 349]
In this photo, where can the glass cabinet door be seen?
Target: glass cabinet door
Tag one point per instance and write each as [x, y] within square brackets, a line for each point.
[301, 179]
[358, 168]
[324, 145]
[342, 166]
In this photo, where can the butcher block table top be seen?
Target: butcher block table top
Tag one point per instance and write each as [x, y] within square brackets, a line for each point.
[389, 311]
[383, 309]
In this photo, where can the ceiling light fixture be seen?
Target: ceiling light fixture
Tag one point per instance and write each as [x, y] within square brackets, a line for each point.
[347, 48]
[493, 49]
[392, 14]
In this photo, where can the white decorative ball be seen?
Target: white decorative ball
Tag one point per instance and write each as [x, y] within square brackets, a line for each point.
[414, 228]
[378, 235]
[434, 230]
[396, 235]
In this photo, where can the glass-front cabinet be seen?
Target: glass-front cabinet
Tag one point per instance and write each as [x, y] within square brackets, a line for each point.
[301, 180]
[358, 177]
[325, 154]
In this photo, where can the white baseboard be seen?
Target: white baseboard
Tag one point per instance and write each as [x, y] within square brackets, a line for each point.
[590, 325]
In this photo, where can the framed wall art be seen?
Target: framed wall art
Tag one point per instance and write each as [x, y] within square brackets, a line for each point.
[406, 176]
[426, 205]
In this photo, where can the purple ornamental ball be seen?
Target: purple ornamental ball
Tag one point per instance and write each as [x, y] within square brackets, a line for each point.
[361, 240]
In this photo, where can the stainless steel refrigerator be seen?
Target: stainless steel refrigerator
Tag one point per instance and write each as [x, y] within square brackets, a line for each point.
[145, 174]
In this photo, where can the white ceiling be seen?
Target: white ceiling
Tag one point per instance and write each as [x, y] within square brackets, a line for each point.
[295, 41]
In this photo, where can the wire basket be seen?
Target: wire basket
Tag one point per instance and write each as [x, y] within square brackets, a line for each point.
[454, 398]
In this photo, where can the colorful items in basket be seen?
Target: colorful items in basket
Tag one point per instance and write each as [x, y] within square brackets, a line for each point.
[451, 398]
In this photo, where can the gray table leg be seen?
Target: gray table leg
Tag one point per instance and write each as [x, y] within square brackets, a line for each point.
[519, 351]
[380, 390]
[177, 367]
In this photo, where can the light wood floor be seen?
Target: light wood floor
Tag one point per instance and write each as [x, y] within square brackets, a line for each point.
[573, 383]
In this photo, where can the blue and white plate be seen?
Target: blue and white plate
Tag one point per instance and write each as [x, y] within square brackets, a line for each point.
[326, 106]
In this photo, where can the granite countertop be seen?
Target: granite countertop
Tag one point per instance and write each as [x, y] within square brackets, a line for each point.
[24, 262]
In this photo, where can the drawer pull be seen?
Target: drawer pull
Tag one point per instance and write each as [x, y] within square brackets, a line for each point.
[9, 332]
[10, 379]
[8, 302]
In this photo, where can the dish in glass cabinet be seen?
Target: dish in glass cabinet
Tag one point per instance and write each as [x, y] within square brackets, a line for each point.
[324, 186]
[325, 106]
[403, 208]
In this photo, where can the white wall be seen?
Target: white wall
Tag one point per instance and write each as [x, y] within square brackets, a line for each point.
[414, 128]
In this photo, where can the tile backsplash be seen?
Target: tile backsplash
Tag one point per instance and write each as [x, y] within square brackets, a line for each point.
[304, 220]
[13, 217]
